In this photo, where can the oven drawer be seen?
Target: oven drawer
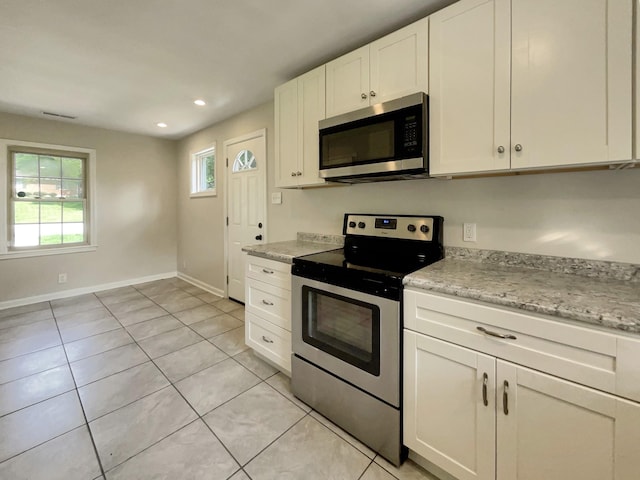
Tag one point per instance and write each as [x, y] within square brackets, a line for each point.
[588, 356]
[269, 271]
[269, 302]
[269, 340]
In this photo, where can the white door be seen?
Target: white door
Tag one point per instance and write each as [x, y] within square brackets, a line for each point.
[348, 82]
[399, 63]
[469, 87]
[571, 82]
[551, 429]
[246, 203]
[449, 406]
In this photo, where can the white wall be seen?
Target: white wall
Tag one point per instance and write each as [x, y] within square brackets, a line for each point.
[593, 215]
[201, 226]
[136, 210]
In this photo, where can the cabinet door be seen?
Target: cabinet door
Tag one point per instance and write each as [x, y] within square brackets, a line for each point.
[571, 82]
[348, 82]
[446, 418]
[286, 133]
[558, 430]
[469, 77]
[399, 63]
[311, 109]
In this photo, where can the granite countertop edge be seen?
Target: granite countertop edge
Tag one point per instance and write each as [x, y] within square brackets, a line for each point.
[605, 294]
[304, 244]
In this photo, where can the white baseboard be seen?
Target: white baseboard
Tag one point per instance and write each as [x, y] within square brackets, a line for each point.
[202, 285]
[80, 291]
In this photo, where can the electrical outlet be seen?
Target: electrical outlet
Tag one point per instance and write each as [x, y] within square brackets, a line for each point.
[62, 278]
[469, 232]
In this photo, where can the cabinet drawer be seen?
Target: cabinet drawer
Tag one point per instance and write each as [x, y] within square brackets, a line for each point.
[269, 302]
[269, 340]
[269, 271]
[588, 356]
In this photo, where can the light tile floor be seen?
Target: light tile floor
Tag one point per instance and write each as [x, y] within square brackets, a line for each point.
[154, 381]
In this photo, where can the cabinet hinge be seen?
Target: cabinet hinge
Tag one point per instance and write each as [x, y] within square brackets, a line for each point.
[227, 162]
[227, 279]
[227, 221]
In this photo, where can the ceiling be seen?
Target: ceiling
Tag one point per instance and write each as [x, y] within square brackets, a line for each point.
[129, 64]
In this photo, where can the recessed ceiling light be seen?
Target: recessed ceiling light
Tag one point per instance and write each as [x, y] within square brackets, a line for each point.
[200, 103]
[162, 125]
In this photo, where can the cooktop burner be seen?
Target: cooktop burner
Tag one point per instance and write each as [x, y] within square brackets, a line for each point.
[379, 251]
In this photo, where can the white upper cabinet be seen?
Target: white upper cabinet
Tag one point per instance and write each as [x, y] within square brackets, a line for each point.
[391, 67]
[469, 60]
[348, 82]
[299, 106]
[522, 84]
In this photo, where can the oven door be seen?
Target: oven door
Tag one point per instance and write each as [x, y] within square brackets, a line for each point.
[353, 335]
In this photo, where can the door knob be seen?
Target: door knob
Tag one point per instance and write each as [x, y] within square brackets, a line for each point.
[500, 149]
[363, 95]
[372, 93]
[259, 237]
[518, 147]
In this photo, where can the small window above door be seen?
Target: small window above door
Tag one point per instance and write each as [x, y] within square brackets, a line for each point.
[245, 160]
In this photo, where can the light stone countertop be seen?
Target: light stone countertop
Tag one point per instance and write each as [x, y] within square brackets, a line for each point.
[305, 244]
[599, 293]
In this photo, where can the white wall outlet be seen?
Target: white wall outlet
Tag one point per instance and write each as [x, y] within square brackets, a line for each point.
[62, 278]
[469, 232]
[276, 198]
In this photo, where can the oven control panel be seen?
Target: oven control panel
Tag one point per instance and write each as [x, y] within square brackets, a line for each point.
[410, 228]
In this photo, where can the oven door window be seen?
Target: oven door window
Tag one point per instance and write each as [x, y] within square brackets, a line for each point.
[343, 327]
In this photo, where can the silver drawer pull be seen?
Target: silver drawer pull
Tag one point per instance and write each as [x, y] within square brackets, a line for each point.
[270, 272]
[267, 340]
[265, 302]
[506, 336]
[485, 381]
[505, 398]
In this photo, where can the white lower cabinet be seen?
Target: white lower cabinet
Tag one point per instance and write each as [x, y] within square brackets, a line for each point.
[268, 310]
[478, 416]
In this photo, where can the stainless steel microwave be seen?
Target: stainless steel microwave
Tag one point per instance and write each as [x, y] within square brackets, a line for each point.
[387, 141]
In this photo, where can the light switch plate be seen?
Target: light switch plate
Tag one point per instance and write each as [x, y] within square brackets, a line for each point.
[276, 198]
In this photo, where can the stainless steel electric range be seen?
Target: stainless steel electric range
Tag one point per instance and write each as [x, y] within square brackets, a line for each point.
[347, 324]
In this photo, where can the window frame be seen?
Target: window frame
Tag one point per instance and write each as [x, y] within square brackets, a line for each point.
[198, 174]
[8, 146]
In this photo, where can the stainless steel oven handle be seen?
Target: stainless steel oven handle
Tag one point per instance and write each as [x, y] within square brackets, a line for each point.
[265, 339]
[265, 302]
[506, 336]
[270, 272]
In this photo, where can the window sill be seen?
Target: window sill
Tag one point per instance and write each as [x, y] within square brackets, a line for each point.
[46, 252]
[210, 193]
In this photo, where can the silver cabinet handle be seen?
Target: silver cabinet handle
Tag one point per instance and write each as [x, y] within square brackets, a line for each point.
[363, 95]
[485, 381]
[372, 93]
[500, 149]
[506, 336]
[267, 340]
[270, 272]
[293, 174]
[299, 174]
[518, 147]
[265, 302]
[505, 398]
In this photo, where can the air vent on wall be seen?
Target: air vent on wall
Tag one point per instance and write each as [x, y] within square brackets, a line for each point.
[59, 115]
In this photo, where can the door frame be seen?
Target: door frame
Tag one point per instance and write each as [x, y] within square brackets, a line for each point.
[262, 133]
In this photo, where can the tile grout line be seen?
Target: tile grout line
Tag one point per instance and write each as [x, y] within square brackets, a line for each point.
[84, 414]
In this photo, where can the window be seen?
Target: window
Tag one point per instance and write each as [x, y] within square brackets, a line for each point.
[203, 173]
[49, 190]
[245, 160]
